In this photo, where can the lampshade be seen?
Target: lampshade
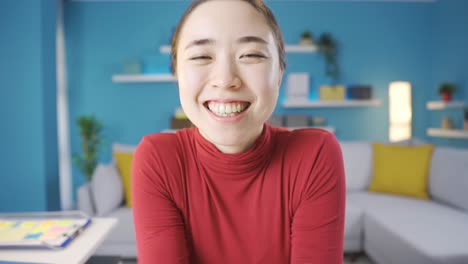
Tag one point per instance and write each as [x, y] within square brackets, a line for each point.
[400, 111]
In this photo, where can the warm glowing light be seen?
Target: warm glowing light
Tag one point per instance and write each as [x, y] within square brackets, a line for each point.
[400, 111]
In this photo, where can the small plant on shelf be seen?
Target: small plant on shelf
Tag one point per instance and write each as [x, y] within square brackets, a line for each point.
[446, 90]
[329, 49]
[306, 38]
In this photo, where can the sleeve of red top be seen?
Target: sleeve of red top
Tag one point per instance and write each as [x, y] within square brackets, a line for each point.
[159, 226]
[318, 223]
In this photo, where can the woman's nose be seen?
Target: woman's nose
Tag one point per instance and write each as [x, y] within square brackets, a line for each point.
[225, 76]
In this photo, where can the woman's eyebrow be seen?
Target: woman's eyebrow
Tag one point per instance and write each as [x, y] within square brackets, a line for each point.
[248, 39]
[200, 42]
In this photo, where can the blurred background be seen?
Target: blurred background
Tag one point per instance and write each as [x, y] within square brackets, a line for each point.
[62, 60]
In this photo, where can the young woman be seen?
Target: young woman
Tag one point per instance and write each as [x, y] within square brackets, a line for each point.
[234, 189]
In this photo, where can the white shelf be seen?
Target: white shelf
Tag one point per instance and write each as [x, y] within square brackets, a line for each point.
[139, 78]
[438, 105]
[287, 48]
[165, 49]
[325, 103]
[300, 49]
[447, 133]
[328, 128]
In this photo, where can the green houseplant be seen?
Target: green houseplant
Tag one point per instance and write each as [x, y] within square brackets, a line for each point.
[90, 133]
[329, 49]
[446, 90]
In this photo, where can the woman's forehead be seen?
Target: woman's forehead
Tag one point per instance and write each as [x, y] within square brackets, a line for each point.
[225, 20]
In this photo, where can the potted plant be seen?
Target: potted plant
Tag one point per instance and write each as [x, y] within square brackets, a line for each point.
[446, 91]
[90, 132]
[306, 38]
[329, 49]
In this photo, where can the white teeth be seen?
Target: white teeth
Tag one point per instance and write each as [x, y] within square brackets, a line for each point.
[222, 108]
[226, 109]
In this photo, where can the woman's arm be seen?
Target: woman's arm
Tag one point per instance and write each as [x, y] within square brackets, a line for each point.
[159, 225]
[318, 223]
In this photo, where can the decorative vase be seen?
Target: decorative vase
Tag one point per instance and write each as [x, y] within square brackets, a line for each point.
[85, 199]
[446, 97]
[306, 42]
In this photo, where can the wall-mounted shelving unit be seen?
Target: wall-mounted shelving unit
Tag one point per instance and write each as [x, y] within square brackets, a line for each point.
[447, 133]
[300, 49]
[165, 49]
[288, 48]
[322, 104]
[143, 78]
[441, 132]
[440, 105]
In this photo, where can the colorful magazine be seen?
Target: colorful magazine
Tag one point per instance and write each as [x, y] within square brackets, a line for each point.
[40, 230]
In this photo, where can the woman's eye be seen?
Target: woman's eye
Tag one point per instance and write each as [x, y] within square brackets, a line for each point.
[253, 55]
[201, 58]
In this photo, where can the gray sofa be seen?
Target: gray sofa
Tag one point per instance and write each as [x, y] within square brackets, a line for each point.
[399, 229]
[388, 228]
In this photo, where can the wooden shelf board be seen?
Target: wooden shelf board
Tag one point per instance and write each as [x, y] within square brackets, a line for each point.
[341, 103]
[447, 133]
[438, 105]
[138, 78]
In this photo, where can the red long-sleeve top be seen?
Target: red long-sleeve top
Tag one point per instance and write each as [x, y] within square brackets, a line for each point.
[282, 201]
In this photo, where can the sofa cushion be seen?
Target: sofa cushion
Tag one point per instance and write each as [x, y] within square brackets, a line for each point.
[401, 170]
[107, 189]
[353, 229]
[124, 232]
[124, 165]
[408, 230]
[122, 155]
[357, 157]
[448, 176]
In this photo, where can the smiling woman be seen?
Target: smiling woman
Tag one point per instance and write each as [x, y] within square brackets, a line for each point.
[213, 64]
[234, 189]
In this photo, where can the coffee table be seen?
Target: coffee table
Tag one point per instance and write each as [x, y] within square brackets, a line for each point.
[77, 252]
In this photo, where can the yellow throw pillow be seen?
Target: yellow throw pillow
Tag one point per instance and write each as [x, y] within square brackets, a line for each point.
[123, 161]
[401, 170]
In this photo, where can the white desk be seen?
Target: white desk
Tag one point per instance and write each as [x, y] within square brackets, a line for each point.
[77, 252]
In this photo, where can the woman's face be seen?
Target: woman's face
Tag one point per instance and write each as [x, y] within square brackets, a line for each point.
[228, 72]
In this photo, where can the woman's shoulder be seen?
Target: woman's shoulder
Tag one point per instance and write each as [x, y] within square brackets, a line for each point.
[166, 143]
[303, 137]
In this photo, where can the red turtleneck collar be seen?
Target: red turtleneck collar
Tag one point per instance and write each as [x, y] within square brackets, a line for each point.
[247, 163]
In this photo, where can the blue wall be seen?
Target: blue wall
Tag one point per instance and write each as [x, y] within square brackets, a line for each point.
[449, 54]
[379, 43]
[424, 43]
[28, 157]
